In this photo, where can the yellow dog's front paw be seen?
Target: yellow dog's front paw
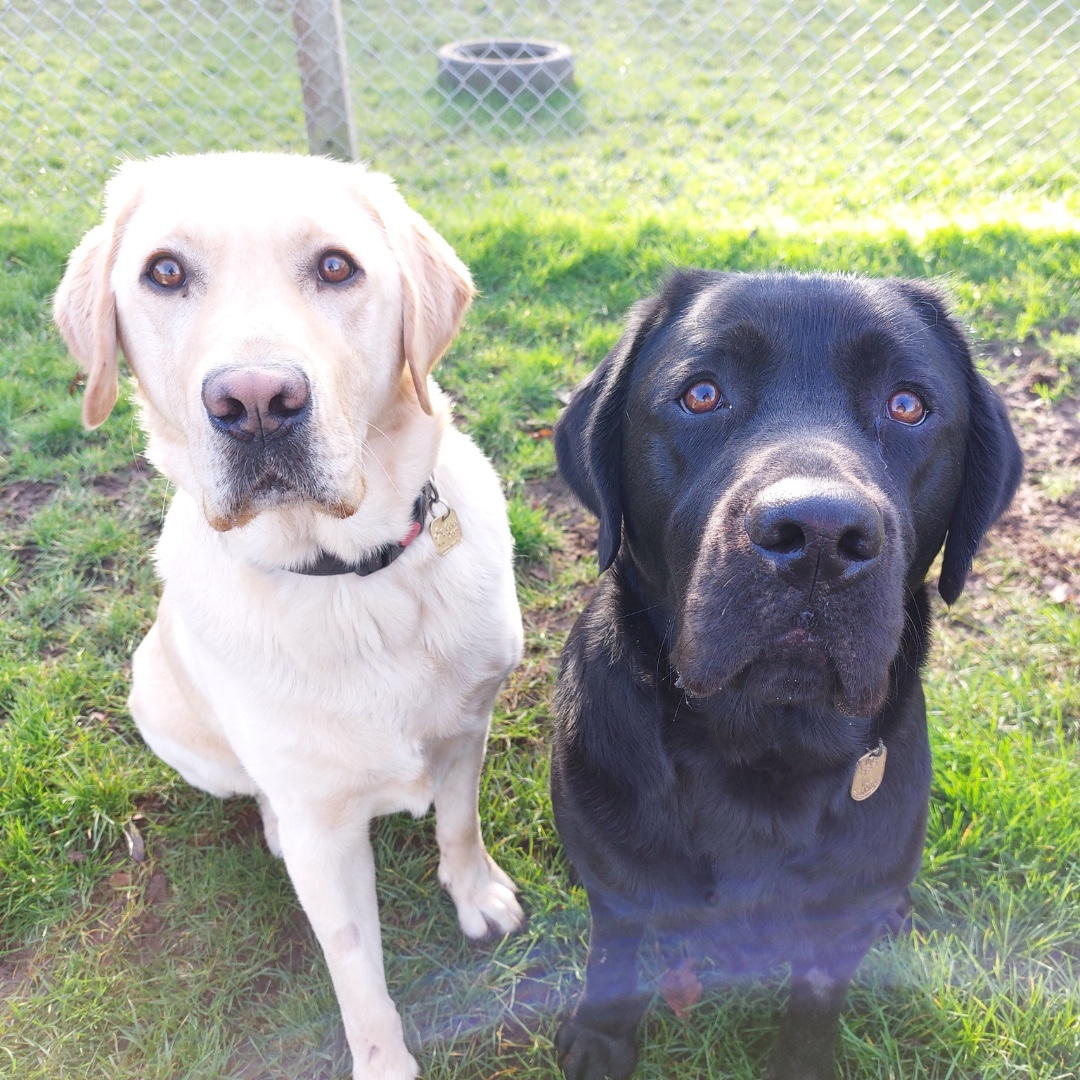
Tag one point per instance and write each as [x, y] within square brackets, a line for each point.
[484, 897]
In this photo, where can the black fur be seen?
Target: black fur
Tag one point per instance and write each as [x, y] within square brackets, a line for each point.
[762, 625]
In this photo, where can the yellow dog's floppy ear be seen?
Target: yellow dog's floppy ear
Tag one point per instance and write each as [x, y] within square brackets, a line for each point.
[437, 287]
[84, 309]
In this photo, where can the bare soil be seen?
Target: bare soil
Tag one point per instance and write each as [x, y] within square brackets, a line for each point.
[1040, 533]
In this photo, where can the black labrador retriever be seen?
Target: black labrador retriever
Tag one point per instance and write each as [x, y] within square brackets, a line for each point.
[740, 753]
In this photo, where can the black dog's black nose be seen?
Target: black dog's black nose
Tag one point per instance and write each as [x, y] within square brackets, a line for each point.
[250, 402]
[815, 531]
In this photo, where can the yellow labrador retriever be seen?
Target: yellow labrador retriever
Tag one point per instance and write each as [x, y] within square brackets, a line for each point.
[338, 609]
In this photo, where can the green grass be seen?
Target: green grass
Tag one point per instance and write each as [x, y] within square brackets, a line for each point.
[196, 963]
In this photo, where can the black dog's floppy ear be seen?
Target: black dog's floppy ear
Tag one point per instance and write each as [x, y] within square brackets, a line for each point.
[993, 463]
[588, 435]
[993, 466]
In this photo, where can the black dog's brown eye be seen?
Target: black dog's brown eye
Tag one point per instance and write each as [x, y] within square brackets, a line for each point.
[906, 407]
[336, 267]
[167, 271]
[702, 397]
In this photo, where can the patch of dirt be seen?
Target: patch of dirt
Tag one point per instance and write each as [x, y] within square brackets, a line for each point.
[16, 970]
[150, 935]
[295, 943]
[245, 823]
[26, 555]
[549, 619]
[1040, 533]
[564, 509]
[579, 532]
[21, 498]
[116, 484]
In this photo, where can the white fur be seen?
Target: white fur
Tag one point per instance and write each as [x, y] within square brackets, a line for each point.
[331, 699]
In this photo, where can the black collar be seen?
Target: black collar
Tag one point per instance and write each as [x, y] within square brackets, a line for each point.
[327, 565]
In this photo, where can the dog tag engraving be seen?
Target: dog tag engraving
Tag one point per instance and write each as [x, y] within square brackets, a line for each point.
[446, 532]
[869, 772]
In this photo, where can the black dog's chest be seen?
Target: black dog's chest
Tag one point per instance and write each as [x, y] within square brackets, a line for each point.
[769, 877]
[734, 810]
[764, 837]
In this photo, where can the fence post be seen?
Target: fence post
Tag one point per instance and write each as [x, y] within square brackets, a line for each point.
[324, 77]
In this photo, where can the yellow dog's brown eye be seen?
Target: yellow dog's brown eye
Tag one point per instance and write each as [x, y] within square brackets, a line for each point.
[167, 271]
[702, 397]
[906, 407]
[336, 267]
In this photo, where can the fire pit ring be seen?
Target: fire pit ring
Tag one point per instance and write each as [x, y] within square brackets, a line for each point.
[505, 64]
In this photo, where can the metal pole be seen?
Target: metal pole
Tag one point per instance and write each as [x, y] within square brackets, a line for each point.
[324, 78]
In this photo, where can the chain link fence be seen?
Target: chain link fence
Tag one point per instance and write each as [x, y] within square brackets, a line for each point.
[814, 110]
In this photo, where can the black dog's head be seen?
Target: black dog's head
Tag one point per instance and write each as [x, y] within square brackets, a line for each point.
[776, 460]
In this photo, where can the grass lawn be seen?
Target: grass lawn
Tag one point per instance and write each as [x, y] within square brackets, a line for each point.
[146, 933]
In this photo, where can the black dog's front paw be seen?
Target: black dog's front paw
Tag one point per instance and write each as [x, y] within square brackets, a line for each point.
[587, 1053]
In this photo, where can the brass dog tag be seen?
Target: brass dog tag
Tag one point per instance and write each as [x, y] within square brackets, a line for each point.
[446, 531]
[869, 772]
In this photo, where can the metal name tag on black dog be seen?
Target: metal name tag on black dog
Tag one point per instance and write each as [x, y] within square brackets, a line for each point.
[869, 772]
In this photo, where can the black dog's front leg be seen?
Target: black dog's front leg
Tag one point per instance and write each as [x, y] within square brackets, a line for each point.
[597, 1041]
[806, 1048]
